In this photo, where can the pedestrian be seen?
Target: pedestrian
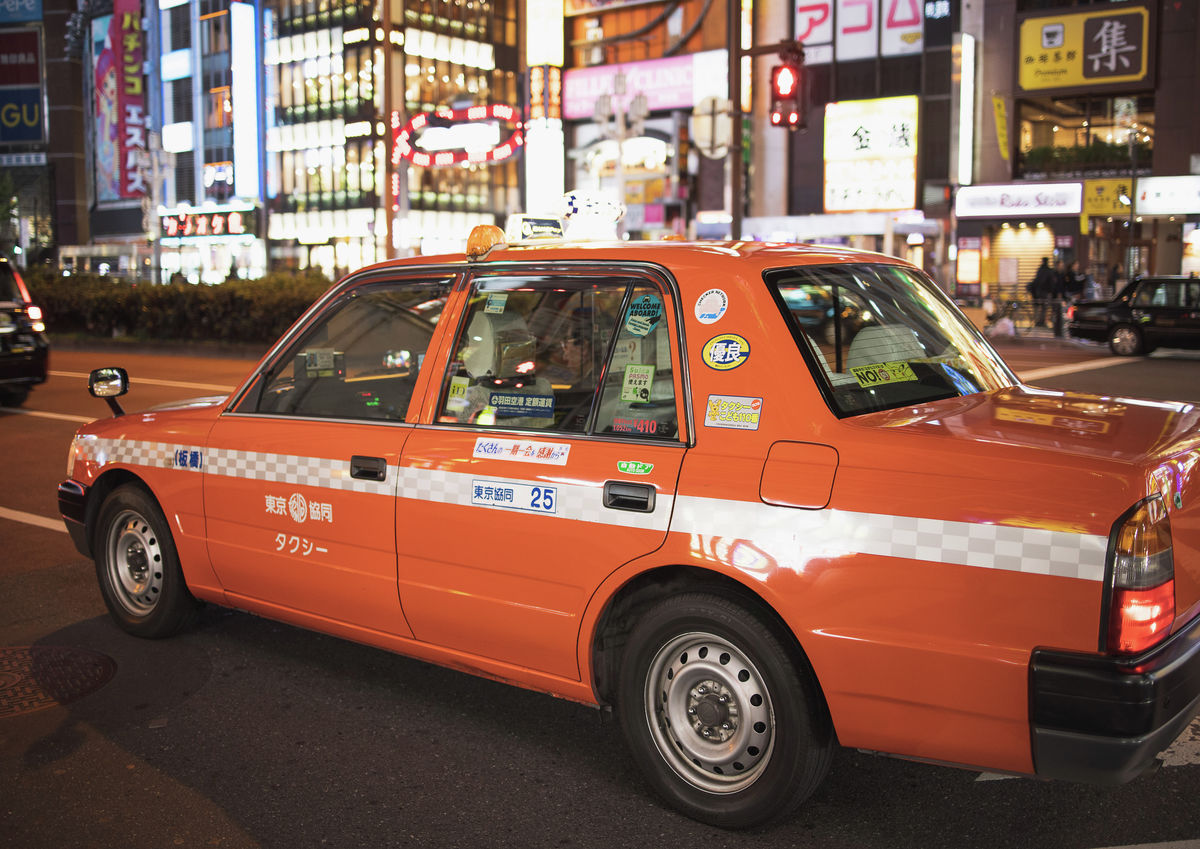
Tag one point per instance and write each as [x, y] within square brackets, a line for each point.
[1040, 288]
[1074, 283]
[1115, 272]
[1057, 295]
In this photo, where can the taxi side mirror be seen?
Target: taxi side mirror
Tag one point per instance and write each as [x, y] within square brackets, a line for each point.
[109, 383]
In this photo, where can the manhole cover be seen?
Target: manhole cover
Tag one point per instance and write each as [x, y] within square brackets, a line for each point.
[37, 677]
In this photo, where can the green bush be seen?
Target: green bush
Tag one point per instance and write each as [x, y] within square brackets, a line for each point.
[236, 311]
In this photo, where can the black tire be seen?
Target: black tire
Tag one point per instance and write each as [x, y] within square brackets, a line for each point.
[725, 722]
[13, 396]
[1125, 340]
[137, 566]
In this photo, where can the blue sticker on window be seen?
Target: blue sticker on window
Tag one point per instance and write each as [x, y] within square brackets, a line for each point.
[521, 404]
[644, 315]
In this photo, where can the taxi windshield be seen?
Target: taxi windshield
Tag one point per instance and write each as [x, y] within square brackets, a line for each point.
[881, 336]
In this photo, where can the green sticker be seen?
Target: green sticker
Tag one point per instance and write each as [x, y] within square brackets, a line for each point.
[637, 383]
[634, 467]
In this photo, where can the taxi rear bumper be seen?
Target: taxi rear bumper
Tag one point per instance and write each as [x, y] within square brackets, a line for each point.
[1104, 720]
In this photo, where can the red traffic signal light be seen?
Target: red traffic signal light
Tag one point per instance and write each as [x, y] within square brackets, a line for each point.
[785, 82]
[787, 107]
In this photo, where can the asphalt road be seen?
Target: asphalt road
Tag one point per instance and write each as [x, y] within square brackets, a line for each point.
[246, 733]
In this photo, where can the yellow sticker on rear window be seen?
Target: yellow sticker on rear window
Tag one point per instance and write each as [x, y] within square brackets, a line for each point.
[877, 374]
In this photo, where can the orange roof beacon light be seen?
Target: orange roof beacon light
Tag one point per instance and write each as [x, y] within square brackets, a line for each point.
[483, 238]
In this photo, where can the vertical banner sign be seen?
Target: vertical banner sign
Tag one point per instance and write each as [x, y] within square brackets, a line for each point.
[1000, 108]
[21, 86]
[118, 46]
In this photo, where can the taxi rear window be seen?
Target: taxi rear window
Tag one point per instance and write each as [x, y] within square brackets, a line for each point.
[881, 336]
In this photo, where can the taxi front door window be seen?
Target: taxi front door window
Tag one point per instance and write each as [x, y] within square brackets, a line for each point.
[361, 360]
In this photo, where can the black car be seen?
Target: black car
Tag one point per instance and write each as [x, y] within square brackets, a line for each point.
[1148, 313]
[24, 349]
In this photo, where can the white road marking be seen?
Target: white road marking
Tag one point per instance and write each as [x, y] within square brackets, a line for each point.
[42, 414]
[1071, 368]
[178, 384]
[1174, 844]
[31, 519]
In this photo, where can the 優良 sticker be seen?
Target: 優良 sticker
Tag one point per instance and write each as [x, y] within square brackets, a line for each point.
[496, 302]
[711, 305]
[877, 374]
[637, 382]
[725, 352]
[733, 411]
[644, 315]
[634, 467]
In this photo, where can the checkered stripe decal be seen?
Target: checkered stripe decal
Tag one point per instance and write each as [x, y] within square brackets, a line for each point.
[275, 468]
[789, 536]
[793, 537]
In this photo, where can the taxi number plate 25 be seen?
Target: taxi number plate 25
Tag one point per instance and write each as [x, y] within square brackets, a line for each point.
[515, 496]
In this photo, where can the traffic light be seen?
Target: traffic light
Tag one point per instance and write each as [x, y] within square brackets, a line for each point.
[787, 102]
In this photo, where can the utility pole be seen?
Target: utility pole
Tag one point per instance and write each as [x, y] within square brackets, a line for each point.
[788, 51]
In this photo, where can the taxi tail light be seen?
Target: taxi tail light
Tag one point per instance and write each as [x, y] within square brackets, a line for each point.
[1142, 606]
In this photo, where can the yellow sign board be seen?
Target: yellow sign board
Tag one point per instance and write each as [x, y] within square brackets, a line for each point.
[1102, 47]
[1103, 197]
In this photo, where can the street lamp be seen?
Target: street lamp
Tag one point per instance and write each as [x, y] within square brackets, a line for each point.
[620, 120]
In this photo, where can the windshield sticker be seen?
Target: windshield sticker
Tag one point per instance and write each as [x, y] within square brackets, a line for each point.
[521, 450]
[877, 374]
[733, 411]
[634, 467]
[496, 302]
[521, 404]
[711, 305]
[725, 352]
[637, 383]
[514, 496]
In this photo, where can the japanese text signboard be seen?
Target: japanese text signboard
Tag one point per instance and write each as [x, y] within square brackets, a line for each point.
[1087, 49]
[861, 29]
[871, 154]
[118, 47]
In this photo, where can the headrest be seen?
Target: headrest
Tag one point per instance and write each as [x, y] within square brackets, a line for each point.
[497, 343]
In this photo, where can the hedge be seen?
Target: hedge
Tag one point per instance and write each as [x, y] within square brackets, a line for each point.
[236, 311]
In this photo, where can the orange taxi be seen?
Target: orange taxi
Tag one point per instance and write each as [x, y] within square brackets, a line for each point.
[630, 474]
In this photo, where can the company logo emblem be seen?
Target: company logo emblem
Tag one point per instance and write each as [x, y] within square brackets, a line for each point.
[297, 507]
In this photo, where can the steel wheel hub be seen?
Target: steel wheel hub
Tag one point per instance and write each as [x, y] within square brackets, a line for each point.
[709, 712]
[135, 563]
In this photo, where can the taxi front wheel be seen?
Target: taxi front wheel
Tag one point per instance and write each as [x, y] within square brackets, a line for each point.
[727, 725]
[137, 566]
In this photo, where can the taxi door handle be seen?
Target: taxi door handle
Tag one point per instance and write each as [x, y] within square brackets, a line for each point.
[638, 497]
[368, 468]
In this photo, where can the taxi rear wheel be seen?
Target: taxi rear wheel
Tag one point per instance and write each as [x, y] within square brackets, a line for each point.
[137, 566]
[726, 724]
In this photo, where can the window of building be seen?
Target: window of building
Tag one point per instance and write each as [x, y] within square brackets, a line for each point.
[219, 111]
[1063, 137]
[214, 32]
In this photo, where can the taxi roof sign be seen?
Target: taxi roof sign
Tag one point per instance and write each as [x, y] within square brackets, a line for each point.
[523, 228]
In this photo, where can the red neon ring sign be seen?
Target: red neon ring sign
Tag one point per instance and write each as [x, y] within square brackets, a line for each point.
[402, 147]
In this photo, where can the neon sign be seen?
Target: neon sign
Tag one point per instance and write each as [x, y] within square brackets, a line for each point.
[193, 224]
[406, 140]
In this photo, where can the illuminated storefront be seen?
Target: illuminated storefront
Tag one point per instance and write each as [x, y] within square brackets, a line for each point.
[339, 80]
